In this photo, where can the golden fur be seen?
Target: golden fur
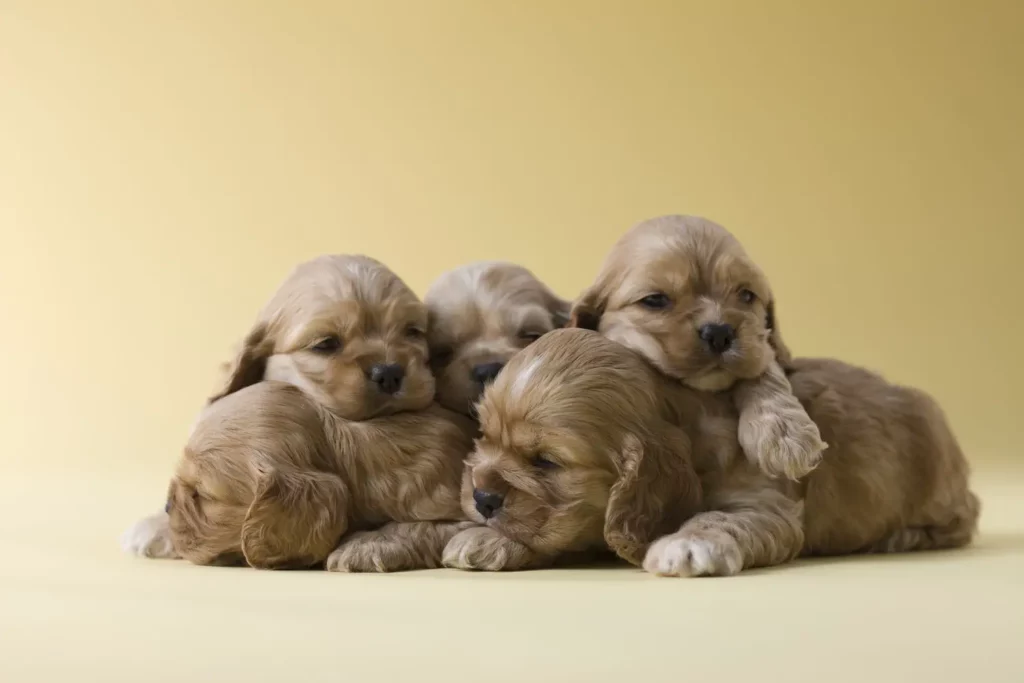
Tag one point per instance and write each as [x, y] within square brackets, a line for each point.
[349, 335]
[272, 478]
[665, 283]
[641, 452]
[480, 315]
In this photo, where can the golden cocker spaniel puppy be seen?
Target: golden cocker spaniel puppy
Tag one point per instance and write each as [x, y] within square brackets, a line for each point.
[584, 445]
[350, 335]
[682, 291]
[480, 315]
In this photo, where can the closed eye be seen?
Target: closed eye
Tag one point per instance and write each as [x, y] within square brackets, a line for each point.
[542, 462]
[326, 345]
[530, 336]
[655, 302]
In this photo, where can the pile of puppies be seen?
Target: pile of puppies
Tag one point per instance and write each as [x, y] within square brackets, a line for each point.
[495, 426]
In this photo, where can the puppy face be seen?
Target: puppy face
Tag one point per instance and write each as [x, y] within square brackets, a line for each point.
[480, 315]
[681, 291]
[348, 332]
[574, 453]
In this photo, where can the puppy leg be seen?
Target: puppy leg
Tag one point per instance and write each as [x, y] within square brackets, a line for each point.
[397, 546]
[775, 431]
[150, 537]
[955, 531]
[483, 548]
[745, 529]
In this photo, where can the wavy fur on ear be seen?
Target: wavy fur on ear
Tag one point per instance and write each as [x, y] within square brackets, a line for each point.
[586, 312]
[249, 365]
[656, 491]
[782, 355]
[295, 520]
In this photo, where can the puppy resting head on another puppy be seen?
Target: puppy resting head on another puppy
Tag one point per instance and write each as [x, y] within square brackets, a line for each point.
[682, 291]
[348, 332]
[575, 453]
[480, 315]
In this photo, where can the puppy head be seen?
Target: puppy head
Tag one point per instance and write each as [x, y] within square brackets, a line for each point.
[480, 315]
[574, 452]
[251, 486]
[682, 291]
[348, 332]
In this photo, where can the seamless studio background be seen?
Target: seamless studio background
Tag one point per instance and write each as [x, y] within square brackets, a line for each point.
[164, 164]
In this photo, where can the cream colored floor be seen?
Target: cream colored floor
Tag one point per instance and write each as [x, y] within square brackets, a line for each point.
[72, 607]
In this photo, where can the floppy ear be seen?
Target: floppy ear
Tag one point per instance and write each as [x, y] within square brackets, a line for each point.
[295, 520]
[657, 491]
[782, 354]
[587, 311]
[249, 366]
[561, 310]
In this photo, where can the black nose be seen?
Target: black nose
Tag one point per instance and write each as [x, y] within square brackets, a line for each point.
[388, 377]
[487, 372]
[718, 338]
[487, 503]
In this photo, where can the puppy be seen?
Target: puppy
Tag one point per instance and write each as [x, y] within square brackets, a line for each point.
[273, 479]
[584, 445]
[683, 292]
[346, 331]
[480, 315]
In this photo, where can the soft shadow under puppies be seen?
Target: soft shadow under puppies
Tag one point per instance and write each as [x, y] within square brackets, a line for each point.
[480, 315]
[580, 449]
[272, 479]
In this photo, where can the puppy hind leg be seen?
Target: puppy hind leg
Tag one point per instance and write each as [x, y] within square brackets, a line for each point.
[724, 541]
[954, 532]
[396, 546]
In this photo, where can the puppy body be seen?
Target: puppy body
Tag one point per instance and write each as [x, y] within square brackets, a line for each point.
[682, 291]
[271, 478]
[655, 451]
[480, 315]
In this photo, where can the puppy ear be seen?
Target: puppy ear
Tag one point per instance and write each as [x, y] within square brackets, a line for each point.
[657, 490]
[249, 365]
[561, 310]
[782, 354]
[587, 311]
[295, 520]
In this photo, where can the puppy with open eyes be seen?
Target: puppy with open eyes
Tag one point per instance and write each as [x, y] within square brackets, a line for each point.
[682, 291]
[480, 315]
[324, 425]
[586, 446]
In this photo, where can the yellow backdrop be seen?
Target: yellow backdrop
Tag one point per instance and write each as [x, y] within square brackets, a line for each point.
[163, 165]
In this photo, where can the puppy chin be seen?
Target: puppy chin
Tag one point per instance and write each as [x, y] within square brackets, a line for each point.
[717, 379]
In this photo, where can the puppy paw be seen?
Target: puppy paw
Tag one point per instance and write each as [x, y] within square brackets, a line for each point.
[694, 555]
[483, 549]
[368, 551]
[782, 445]
[150, 537]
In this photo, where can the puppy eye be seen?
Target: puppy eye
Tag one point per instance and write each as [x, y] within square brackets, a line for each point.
[542, 462]
[530, 337]
[656, 301]
[747, 296]
[414, 332]
[327, 345]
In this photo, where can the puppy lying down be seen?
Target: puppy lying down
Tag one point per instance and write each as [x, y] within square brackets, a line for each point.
[350, 337]
[271, 478]
[682, 291]
[585, 446]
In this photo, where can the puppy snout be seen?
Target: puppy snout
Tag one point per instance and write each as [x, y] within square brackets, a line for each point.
[718, 338]
[487, 502]
[387, 376]
[486, 372]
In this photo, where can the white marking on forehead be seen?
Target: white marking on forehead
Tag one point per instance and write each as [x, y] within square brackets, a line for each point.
[525, 376]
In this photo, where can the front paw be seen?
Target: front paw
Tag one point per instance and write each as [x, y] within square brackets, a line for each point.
[787, 446]
[150, 537]
[483, 549]
[367, 551]
[694, 555]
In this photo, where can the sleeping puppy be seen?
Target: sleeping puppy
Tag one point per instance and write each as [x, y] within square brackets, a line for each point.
[584, 445]
[480, 315]
[345, 330]
[683, 292]
[273, 479]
